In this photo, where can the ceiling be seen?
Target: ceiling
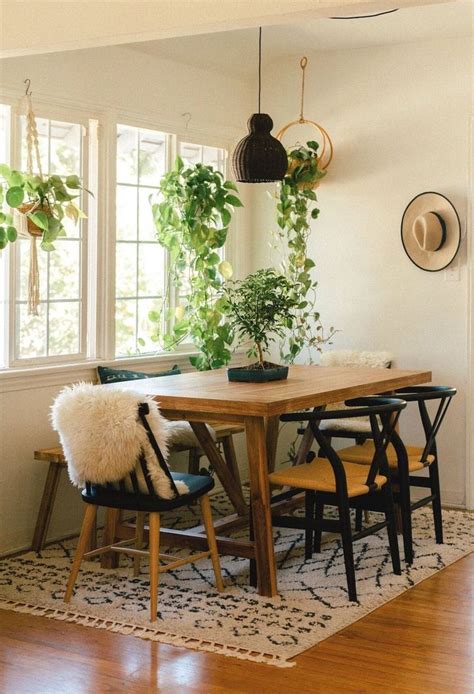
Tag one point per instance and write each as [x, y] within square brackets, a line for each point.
[233, 52]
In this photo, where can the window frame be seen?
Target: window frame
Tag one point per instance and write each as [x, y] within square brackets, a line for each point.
[98, 248]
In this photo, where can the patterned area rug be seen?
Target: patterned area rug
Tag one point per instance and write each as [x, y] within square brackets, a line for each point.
[313, 601]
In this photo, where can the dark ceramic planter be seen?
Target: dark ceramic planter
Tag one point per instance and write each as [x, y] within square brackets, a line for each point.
[245, 374]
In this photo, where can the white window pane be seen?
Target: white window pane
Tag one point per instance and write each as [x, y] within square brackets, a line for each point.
[145, 328]
[125, 327]
[64, 270]
[64, 328]
[65, 148]
[126, 269]
[150, 269]
[146, 226]
[23, 249]
[126, 205]
[31, 332]
[213, 156]
[127, 154]
[190, 154]
[152, 157]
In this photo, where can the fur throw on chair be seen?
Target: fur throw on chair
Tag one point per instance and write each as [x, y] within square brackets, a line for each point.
[103, 437]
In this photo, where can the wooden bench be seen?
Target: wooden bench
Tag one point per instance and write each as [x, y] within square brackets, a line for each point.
[55, 458]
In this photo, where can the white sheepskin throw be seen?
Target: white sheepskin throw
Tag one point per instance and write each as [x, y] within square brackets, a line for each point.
[103, 437]
[347, 357]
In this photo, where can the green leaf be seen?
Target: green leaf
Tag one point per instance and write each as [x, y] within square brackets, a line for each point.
[233, 200]
[5, 171]
[141, 342]
[47, 246]
[40, 219]
[3, 234]
[226, 217]
[3, 217]
[73, 182]
[230, 185]
[12, 234]
[16, 179]
[15, 196]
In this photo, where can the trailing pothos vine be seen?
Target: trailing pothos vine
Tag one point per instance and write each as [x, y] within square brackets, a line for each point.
[192, 213]
[296, 208]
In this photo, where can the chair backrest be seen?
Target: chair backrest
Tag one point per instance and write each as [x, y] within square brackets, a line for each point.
[346, 357]
[383, 414]
[431, 426]
[114, 437]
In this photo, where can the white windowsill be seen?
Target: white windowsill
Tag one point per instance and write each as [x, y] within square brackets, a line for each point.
[30, 377]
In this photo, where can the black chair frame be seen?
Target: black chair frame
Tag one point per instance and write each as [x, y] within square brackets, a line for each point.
[388, 410]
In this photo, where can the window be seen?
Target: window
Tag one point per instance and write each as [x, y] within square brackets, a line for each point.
[84, 313]
[59, 329]
[139, 261]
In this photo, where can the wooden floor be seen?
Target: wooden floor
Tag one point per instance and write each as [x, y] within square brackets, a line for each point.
[421, 642]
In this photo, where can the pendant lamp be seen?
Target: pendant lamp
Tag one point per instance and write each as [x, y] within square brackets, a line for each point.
[259, 157]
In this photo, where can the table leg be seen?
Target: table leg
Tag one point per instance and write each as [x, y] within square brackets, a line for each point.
[225, 476]
[110, 559]
[260, 500]
[273, 426]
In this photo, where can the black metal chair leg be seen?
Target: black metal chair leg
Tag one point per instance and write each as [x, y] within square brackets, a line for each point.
[318, 517]
[436, 503]
[346, 534]
[392, 530]
[309, 498]
[358, 520]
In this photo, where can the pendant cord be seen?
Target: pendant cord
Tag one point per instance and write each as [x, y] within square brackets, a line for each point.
[259, 66]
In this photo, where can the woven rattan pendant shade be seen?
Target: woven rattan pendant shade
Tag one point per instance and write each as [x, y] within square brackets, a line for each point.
[259, 157]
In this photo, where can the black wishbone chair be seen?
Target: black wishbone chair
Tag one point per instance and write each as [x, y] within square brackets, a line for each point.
[127, 495]
[330, 481]
[404, 460]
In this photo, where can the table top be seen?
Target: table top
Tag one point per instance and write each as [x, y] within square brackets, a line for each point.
[306, 386]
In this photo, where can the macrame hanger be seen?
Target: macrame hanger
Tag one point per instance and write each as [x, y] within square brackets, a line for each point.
[21, 220]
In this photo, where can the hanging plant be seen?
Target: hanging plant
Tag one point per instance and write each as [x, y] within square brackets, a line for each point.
[296, 207]
[192, 214]
[39, 206]
[34, 206]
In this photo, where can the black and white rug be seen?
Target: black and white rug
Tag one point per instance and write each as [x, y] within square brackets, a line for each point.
[312, 605]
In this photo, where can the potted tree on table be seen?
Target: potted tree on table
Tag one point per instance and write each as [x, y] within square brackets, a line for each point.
[260, 308]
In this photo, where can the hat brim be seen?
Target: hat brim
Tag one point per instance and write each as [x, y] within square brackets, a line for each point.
[436, 260]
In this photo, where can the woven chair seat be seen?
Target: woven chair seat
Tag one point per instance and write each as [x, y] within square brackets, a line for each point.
[363, 455]
[319, 476]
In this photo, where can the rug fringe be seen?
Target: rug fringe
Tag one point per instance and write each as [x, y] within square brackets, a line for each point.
[147, 633]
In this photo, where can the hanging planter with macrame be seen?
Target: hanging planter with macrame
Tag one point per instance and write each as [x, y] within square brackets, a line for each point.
[33, 206]
[307, 164]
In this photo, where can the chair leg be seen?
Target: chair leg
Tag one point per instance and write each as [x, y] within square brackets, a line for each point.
[391, 519]
[211, 540]
[154, 524]
[346, 534]
[140, 523]
[436, 503]
[318, 517]
[358, 520]
[90, 514]
[405, 511]
[309, 498]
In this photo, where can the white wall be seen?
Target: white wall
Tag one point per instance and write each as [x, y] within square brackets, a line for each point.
[399, 119]
[100, 81]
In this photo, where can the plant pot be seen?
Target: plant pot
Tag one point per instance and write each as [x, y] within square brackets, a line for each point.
[253, 373]
[33, 207]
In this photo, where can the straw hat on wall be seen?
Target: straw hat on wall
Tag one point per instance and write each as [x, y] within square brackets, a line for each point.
[431, 231]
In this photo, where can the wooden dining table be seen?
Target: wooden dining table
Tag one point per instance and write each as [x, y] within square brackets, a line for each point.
[208, 397]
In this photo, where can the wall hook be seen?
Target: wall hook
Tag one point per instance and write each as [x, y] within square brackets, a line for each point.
[27, 90]
[188, 117]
